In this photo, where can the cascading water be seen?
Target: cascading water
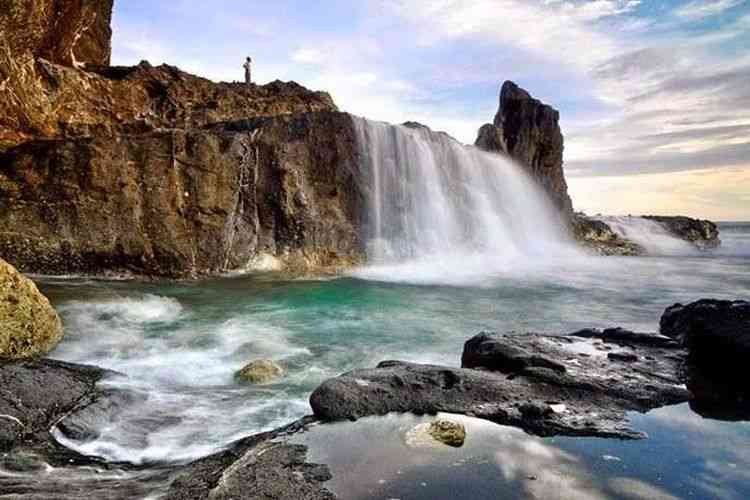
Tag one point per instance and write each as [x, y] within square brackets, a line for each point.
[436, 205]
[649, 234]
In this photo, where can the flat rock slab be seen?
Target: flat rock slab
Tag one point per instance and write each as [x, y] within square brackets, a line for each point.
[577, 385]
[34, 395]
[258, 467]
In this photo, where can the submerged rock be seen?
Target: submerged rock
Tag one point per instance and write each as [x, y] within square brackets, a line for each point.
[29, 326]
[260, 371]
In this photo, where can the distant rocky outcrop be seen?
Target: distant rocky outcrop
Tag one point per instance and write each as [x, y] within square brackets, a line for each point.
[597, 236]
[702, 233]
[29, 326]
[528, 131]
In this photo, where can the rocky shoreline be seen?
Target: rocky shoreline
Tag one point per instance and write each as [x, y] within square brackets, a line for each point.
[579, 384]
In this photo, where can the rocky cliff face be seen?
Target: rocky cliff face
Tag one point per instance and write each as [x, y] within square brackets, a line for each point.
[151, 170]
[184, 202]
[72, 33]
[528, 131]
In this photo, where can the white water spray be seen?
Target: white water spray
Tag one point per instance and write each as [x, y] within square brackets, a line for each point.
[652, 236]
[439, 208]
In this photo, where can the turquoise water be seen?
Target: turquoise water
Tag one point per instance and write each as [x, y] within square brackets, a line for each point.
[178, 345]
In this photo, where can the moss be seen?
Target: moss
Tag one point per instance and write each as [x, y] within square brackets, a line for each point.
[29, 326]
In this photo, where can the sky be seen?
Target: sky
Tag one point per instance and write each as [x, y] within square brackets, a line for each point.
[654, 95]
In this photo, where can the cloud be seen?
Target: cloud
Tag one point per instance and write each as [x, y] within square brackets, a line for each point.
[700, 9]
[307, 55]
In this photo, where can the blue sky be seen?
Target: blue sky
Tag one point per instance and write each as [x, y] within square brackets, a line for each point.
[654, 96]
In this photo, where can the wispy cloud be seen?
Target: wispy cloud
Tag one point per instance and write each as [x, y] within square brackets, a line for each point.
[700, 9]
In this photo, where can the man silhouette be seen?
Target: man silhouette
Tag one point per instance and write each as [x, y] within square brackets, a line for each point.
[248, 74]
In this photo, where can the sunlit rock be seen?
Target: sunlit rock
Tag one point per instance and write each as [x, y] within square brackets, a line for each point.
[260, 371]
[29, 326]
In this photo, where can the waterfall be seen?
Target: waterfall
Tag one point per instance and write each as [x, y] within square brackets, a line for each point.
[439, 206]
[649, 234]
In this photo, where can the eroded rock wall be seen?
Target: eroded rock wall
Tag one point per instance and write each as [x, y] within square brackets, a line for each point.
[184, 202]
[68, 32]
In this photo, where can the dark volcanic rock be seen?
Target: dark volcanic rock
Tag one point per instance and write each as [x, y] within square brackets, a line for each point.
[548, 385]
[702, 233]
[717, 332]
[528, 131]
[599, 237]
[68, 32]
[34, 395]
[261, 466]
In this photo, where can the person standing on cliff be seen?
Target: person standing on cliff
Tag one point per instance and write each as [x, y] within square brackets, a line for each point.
[248, 73]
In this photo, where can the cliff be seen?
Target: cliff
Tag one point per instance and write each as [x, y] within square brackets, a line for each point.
[151, 170]
[528, 131]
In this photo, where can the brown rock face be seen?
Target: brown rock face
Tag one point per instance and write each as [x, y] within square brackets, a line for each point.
[68, 32]
[184, 202]
[528, 131]
[151, 170]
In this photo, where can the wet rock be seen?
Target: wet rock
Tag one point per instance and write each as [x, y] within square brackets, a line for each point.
[34, 395]
[589, 397]
[625, 357]
[447, 432]
[528, 131]
[260, 371]
[717, 332]
[29, 326]
[624, 337]
[260, 466]
[704, 234]
[600, 238]
[487, 351]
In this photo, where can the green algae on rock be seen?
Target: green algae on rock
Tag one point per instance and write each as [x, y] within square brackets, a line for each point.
[29, 326]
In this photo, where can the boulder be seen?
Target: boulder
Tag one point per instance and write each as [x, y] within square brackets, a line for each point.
[528, 131]
[448, 432]
[29, 326]
[260, 371]
[716, 332]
